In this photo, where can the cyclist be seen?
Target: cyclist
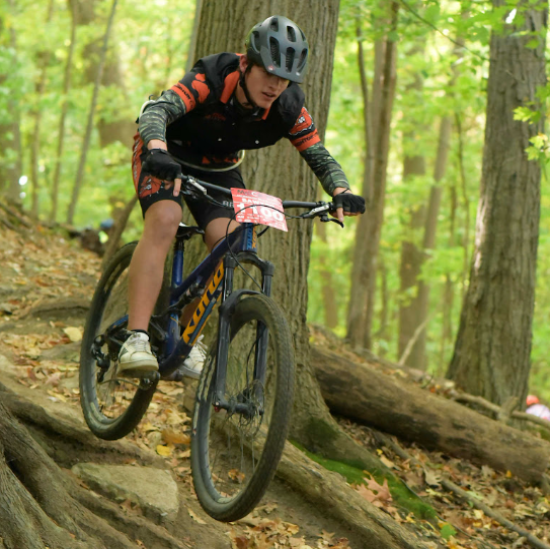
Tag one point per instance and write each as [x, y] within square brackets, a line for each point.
[227, 103]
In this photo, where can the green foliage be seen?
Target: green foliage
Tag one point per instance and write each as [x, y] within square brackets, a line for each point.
[149, 44]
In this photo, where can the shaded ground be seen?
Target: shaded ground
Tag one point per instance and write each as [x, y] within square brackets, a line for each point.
[45, 284]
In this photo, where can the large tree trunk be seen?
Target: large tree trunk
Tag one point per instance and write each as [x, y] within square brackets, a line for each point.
[280, 171]
[491, 356]
[361, 392]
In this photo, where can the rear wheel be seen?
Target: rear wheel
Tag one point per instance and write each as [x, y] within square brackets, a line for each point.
[112, 405]
[235, 450]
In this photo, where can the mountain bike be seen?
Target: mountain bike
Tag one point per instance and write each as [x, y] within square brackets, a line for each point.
[244, 396]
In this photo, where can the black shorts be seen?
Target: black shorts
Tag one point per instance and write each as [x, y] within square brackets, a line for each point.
[151, 189]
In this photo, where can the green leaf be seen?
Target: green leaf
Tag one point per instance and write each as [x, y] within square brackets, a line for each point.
[447, 531]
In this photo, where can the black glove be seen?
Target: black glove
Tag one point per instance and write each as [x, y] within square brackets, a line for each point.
[350, 202]
[160, 164]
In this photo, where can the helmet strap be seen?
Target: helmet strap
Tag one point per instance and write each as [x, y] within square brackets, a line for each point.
[242, 82]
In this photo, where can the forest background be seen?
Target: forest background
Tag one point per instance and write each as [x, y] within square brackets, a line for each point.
[441, 72]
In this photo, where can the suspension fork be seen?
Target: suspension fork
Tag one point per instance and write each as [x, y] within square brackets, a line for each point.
[229, 301]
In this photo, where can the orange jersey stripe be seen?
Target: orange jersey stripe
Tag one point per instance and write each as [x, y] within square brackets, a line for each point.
[230, 83]
[307, 141]
[186, 96]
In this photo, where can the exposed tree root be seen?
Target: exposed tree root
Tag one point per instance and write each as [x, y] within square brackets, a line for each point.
[328, 491]
[43, 506]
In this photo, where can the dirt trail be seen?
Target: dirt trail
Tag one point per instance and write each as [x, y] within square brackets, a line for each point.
[45, 285]
[46, 282]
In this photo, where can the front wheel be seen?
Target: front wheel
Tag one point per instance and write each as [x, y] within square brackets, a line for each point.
[236, 447]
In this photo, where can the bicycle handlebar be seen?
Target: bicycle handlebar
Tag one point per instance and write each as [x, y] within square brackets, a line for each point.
[317, 208]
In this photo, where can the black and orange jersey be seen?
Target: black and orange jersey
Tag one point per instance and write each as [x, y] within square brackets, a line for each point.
[203, 124]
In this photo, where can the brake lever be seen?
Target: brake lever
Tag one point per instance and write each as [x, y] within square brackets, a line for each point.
[325, 219]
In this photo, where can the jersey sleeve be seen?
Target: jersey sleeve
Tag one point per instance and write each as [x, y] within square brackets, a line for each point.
[305, 138]
[304, 133]
[193, 88]
[180, 99]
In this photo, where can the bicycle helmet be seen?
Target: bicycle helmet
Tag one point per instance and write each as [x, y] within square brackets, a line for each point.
[280, 47]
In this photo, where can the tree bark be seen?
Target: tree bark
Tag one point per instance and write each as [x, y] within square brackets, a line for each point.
[357, 300]
[369, 228]
[375, 213]
[277, 171]
[361, 392]
[62, 118]
[88, 135]
[43, 506]
[491, 357]
[414, 165]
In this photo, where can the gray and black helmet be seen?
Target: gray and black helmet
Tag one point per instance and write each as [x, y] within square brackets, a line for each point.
[280, 47]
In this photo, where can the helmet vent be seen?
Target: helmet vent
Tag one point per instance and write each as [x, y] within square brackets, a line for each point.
[302, 60]
[291, 34]
[274, 25]
[254, 39]
[275, 52]
[290, 54]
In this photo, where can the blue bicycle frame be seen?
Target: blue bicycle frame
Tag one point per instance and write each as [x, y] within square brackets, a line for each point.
[214, 277]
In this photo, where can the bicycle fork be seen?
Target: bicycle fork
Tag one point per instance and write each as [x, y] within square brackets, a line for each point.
[230, 300]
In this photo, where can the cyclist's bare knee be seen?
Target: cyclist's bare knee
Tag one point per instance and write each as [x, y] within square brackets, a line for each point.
[162, 219]
[216, 231]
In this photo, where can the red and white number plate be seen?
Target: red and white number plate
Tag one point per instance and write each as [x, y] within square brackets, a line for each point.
[261, 208]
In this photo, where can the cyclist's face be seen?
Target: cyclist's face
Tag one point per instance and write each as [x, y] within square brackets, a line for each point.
[264, 88]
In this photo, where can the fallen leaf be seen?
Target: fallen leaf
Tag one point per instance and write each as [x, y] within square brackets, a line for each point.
[173, 437]
[163, 450]
[74, 334]
[236, 475]
[432, 478]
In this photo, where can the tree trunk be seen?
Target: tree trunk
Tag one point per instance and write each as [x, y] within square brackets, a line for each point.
[363, 393]
[277, 171]
[362, 293]
[64, 107]
[375, 213]
[448, 291]
[43, 60]
[492, 350]
[11, 167]
[88, 135]
[411, 253]
[357, 300]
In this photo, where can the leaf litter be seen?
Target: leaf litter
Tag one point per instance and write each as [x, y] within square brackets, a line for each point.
[45, 267]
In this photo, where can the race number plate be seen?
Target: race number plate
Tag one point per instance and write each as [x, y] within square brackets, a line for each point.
[254, 207]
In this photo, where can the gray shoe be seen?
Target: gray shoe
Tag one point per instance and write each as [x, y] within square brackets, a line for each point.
[135, 358]
[192, 365]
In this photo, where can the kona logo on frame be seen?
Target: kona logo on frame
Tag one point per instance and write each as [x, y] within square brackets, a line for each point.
[203, 305]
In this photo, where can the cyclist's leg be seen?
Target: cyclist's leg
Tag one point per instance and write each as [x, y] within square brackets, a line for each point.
[217, 229]
[147, 266]
[162, 214]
